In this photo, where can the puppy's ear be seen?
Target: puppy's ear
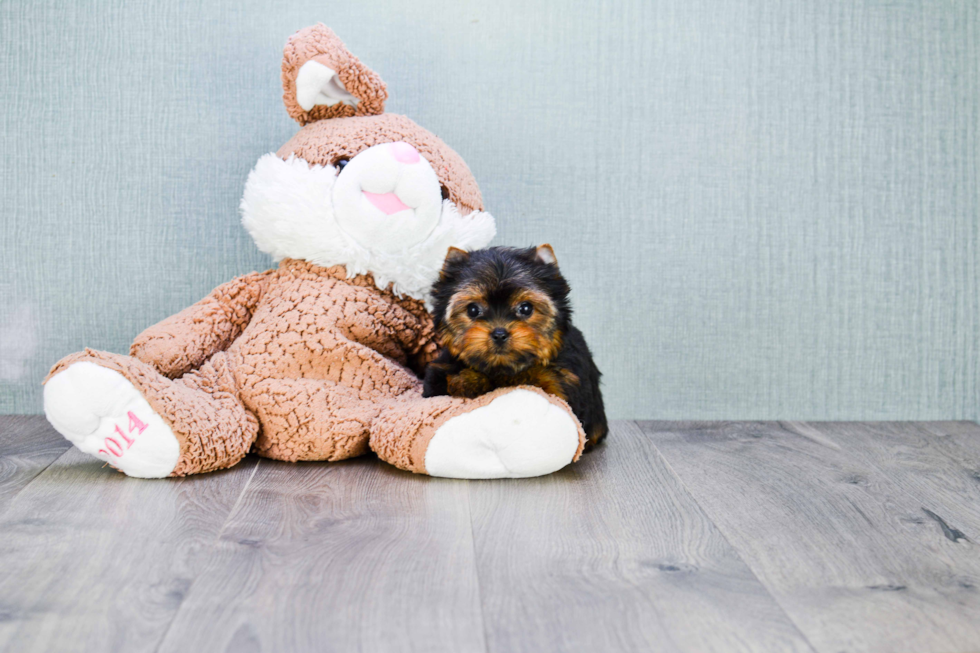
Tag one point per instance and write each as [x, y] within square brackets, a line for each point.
[455, 256]
[545, 255]
[322, 79]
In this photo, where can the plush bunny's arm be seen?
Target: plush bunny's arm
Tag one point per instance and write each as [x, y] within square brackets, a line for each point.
[426, 354]
[184, 341]
[417, 336]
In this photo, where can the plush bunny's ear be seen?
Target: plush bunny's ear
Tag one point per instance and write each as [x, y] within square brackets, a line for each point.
[322, 79]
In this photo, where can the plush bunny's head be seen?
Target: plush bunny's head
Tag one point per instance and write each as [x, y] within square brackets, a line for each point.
[355, 186]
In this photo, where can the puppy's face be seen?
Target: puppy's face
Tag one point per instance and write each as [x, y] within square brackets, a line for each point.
[501, 310]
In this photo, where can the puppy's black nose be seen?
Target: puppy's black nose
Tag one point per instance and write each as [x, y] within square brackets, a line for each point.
[499, 335]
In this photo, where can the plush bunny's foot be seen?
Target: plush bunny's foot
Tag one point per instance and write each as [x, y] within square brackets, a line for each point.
[104, 415]
[518, 434]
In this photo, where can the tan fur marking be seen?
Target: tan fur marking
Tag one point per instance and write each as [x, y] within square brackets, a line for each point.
[468, 383]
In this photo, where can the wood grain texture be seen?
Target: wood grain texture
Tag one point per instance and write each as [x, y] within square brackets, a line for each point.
[612, 554]
[351, 556]
[91, 560]
[686, 537]
[843, 547]
[28, 445]
[936, 463]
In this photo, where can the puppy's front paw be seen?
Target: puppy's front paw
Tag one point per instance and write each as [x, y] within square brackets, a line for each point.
[469, 384]
[518, 434]
[434, 384]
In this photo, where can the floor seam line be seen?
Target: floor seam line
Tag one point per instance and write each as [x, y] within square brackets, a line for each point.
[16, 494]
[728, 541]
[476, 568]
[180, 606]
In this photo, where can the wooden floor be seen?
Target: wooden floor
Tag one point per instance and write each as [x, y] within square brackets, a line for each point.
[673, 537]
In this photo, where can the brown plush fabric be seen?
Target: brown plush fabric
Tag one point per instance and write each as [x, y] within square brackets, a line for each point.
[320, 44]
[325, 141]
[314, 359]
[217, 320]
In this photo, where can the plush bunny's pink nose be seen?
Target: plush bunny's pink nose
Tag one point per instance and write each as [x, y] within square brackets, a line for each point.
[404, 153]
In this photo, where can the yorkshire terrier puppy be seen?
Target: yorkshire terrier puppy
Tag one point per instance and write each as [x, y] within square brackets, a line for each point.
[503, 319]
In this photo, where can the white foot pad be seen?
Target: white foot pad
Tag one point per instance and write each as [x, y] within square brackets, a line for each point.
[104, 415]
[516, 435]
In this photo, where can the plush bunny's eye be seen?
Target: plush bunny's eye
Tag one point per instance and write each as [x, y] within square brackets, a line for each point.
[340, 163]
[474, 311]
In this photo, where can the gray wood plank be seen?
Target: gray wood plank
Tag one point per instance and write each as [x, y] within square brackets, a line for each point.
[93, 560]
[612, 554]
[842, 547]
[352, 556]
[28, 445]
[937, 463]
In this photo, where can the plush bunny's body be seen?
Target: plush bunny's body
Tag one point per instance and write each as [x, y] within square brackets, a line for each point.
[319, 359]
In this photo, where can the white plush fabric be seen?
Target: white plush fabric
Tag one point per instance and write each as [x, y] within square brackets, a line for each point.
[377, 171]
[289, 209]
[517, 435]
[91, 405]
[317, 84]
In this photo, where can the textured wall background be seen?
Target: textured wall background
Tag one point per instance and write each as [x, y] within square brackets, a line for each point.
[767, 209]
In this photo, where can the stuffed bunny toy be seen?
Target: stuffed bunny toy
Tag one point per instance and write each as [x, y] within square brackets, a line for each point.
[319, 358]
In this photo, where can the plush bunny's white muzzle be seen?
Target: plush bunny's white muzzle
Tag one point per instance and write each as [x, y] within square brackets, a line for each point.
[388, 195]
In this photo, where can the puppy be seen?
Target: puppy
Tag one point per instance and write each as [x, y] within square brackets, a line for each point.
[503, 319]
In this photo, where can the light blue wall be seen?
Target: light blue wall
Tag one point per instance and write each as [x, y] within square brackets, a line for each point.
[766, 209]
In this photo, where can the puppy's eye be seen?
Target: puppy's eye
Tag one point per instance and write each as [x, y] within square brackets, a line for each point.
[524, 309]
[445, 192]
[473, 311]
[340, 163]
